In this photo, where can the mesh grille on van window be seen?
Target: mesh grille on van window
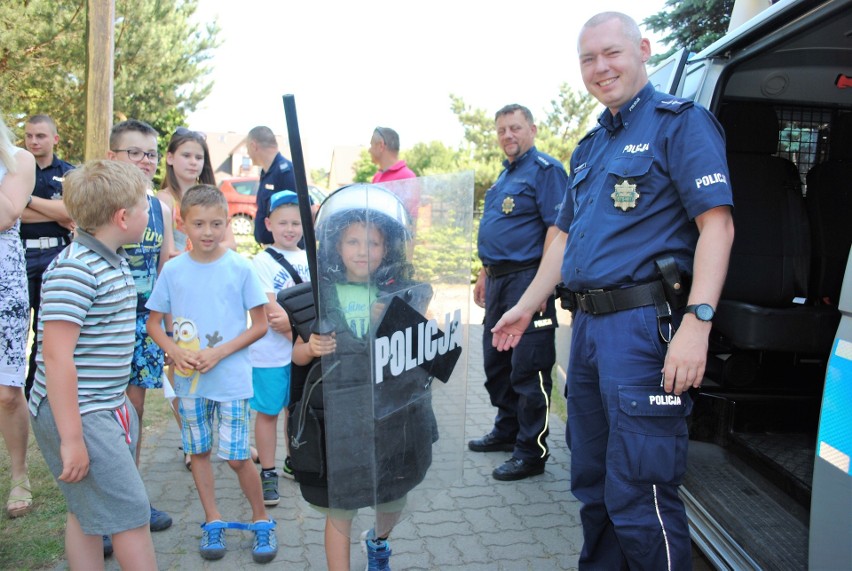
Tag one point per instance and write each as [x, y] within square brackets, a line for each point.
[803, 138]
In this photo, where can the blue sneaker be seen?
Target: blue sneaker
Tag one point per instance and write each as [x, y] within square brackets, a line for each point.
[213, 540]
[265, 546]
[378, 552]
[160, 520]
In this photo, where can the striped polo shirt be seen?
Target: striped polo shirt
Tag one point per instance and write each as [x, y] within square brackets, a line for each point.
[90, 286]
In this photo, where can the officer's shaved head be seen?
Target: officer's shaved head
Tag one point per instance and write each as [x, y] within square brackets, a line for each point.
[46, 119]
[628, 25]
[263, 136]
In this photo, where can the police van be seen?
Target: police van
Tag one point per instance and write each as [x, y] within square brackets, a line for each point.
[768, 484]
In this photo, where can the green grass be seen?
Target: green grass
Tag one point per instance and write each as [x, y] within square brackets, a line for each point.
[37, 540]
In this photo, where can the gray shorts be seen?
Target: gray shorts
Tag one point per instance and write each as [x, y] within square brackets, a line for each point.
[111, 498]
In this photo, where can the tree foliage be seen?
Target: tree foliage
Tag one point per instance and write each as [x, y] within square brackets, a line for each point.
[566, 122]
[364, 168]
[691, 24]
[159, 71]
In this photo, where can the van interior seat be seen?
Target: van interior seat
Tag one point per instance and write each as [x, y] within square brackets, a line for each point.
[761, 304]
[829, 201]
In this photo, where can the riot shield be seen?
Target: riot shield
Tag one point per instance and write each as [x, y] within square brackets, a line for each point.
[394, 287]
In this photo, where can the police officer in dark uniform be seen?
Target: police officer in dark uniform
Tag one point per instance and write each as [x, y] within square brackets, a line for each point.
[648, 201]
[45, 224]
[516, 225]
[276, 174]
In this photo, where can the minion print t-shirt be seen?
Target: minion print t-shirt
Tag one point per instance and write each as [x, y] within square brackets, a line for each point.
[208, 303]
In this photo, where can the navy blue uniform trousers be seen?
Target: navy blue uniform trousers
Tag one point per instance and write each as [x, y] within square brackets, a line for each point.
[628, 441]
[518, 381]
[37, 262]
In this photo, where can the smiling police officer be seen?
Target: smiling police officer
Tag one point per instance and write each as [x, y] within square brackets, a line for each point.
[648, 199]
[517, 224]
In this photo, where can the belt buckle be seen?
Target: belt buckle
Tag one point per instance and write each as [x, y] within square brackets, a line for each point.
[587, 300]
[43, 243]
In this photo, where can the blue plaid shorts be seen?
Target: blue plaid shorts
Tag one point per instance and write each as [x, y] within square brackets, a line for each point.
[196, 420]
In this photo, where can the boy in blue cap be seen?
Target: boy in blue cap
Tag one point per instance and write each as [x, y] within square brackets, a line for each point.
[281, 265]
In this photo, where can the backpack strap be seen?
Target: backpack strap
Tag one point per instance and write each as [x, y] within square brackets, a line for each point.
[287, 265]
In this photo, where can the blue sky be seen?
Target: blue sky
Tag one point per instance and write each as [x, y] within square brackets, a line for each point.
[355, 65]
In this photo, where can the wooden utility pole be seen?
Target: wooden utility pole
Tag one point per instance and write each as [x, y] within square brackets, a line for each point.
[100, 39]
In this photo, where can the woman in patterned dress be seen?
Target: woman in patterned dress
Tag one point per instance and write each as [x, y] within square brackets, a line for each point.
[17, 179]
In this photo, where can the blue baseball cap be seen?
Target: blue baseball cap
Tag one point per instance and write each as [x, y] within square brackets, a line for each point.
[282, 197]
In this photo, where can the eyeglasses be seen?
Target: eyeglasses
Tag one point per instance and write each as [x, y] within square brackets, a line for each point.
[184, 132]
[378, 131]
[136, 155]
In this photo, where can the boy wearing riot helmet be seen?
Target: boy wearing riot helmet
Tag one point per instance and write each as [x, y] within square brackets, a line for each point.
[361, 259]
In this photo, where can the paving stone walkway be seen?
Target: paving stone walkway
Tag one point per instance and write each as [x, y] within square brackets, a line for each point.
[477, 524]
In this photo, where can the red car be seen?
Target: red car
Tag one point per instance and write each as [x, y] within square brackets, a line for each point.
[241, 193]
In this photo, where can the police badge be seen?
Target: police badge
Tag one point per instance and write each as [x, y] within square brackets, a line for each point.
[625, 195]
[508, 205]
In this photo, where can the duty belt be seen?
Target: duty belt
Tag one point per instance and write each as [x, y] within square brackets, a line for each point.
[498, 270]
[601, 302]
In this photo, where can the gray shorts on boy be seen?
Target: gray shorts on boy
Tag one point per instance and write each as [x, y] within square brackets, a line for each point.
[111, 498]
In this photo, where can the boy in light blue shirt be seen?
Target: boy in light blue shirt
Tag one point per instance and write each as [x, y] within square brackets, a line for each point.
[208, 292]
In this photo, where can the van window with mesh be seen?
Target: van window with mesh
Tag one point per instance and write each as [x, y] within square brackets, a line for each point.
[803, 138]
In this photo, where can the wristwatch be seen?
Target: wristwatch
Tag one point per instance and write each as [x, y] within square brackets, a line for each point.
[702, 311]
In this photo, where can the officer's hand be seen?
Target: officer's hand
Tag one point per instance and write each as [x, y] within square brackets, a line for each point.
[687, 356]
[507, 332]
[479, 290]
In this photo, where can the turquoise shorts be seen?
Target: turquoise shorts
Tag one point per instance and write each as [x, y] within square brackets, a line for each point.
[271, 389]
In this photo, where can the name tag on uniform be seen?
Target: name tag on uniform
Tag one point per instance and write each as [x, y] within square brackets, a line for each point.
[269, 186]
[59, 178]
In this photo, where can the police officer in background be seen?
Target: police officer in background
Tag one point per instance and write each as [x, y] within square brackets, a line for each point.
[516, 226]
[45, 224]
[276, 174]
[637, 200]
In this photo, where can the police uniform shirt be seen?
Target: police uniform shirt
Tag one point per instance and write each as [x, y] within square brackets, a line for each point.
[637, 182]
[48, 185]
[280, 176]
[520, 207]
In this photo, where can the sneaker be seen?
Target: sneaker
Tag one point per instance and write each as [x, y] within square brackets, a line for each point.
[287, 469]
[213, 540]
[107, 546]
[269, 481]
[378, 554]
[160, 520]
[265, 546]
[365, 535]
